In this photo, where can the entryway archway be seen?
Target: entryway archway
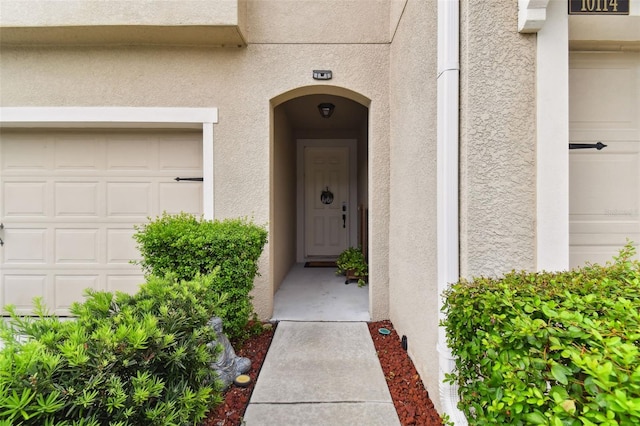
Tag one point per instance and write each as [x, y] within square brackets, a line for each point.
[319, 188]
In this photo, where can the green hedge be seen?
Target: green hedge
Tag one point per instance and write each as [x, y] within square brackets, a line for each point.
[185, 246]
[549, 348]
[125, 360]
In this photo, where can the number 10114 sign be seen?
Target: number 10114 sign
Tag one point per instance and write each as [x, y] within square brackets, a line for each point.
[599, 7]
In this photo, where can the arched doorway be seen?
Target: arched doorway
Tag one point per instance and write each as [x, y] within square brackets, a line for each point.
[319, 178]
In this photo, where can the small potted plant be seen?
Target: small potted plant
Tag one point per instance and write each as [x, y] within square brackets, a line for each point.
[352, 264]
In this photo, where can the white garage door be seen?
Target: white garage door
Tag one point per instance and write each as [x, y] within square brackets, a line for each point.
[70, 200]
[604, 186]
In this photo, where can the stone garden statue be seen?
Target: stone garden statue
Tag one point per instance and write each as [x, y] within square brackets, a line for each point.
[229, 365]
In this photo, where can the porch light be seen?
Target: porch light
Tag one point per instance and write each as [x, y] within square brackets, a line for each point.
[326, 109]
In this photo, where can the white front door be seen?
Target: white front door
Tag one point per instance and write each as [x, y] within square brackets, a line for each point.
[69, 201]
[604, 185]
[326, 200]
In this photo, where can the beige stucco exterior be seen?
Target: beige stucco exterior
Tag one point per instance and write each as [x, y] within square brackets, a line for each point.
[240, 82]
[412, 229]
[193, 22]
[80, 13]
[498, 141]
[383, 55]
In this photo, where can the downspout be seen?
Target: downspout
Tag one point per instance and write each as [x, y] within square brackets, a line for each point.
[448, 81]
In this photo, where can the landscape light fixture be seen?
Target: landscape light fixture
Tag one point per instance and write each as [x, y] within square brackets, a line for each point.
[326, 109]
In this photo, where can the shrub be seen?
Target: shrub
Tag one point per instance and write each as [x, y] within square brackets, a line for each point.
[549, 348]
[352, 263]
[186, 246]
[125, 360]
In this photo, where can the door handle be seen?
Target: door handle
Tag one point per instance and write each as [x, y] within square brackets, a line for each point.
[597, 146]
[344, 214]
[1, 229]
[195, 179]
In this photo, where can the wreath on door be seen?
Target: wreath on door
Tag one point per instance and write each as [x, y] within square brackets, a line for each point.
[326, 197]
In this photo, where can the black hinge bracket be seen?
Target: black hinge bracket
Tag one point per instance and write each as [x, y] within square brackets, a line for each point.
[178, 179]
[597, 146]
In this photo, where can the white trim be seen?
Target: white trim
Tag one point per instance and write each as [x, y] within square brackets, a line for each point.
[447, 134]
[127, 117]
[448, 83]
[552, 161]
[532, 14]
[109, 116]
[208, 189]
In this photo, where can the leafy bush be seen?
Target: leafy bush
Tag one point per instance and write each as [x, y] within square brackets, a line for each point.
[186, 246]
[125, 360]
[549, 349]
[352, 263]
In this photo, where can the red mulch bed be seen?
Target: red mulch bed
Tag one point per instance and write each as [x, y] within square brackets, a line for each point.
[409, 396]
[407, 390]
[236, 399]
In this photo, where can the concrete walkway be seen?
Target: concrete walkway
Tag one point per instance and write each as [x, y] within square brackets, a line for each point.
[318, 294]
[321, 373]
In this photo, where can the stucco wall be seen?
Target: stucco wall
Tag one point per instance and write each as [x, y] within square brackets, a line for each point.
[89, 22]
[44, 13]
[498, 140]
[318, 21]
[412, 241]
[283, 198]
[240, 82]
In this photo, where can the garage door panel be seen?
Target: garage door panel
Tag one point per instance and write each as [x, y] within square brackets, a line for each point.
[70, 288]
[70, 201]
[608, 102]
[77, 246]
[180, 154]
[121, 247]
[605, 237]
[131, 154]
[604, 135]
[124, 283]
[604, 186]
[24, 198]
[180, 197]
[77, 198]
[25, 245]
[19, 290]
[79, 152]
[129, 199]
[600, 255]
[605, 177]
[16, 158]
[614, 222]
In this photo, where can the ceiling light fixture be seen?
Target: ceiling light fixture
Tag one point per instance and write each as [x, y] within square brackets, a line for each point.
[326, 109]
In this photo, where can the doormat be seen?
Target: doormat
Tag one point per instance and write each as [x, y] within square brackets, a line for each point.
[320, 264]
